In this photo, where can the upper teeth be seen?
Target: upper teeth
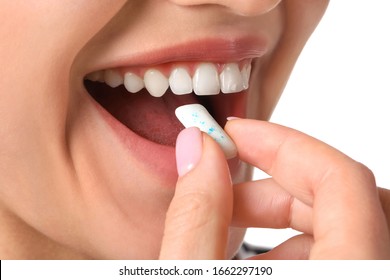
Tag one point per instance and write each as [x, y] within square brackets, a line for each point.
[205, 81]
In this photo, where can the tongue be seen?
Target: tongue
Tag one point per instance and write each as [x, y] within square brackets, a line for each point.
[150, 117]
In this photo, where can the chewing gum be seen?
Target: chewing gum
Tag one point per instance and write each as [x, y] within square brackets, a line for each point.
[196, 115]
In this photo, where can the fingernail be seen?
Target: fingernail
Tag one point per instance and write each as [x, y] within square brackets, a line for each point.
[233, 118]
[188, 149]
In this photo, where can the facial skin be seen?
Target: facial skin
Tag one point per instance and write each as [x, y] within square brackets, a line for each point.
[70, 186]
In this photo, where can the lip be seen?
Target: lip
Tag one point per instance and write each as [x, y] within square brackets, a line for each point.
[207, 50]
[160, 159]
[153, 156]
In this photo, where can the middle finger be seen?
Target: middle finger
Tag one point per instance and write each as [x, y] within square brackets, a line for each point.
[266, 204]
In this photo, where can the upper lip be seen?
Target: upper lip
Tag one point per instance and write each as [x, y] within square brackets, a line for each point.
[206, 49]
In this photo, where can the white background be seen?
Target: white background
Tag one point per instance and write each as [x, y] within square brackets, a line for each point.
[339, 91]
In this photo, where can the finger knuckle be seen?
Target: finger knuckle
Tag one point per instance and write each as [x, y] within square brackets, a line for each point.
[352, 170]
[365, 173]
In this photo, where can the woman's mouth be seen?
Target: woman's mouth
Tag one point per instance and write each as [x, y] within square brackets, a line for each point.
[137, 95]
[144, 98]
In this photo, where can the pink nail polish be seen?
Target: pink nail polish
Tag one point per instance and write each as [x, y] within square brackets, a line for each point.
[188, 149]
[233, 118]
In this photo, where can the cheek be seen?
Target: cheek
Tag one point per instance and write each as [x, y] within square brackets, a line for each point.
[39, 42]
[52, 25]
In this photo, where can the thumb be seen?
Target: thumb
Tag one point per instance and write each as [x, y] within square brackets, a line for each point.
[198, 218]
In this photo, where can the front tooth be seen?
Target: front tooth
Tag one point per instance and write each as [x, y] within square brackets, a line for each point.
[180, 81]
[206, 80]
[133, 83]
[246, 74]
[155, 82]
[231, 79]
[112, 78]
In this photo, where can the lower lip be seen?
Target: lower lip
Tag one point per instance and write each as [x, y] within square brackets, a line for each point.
[153, 157]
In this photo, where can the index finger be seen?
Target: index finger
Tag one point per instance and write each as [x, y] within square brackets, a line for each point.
[342, 192]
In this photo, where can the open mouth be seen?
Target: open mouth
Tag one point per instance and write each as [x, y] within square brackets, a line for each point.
[144, 99]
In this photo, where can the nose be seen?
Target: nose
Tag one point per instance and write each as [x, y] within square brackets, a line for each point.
[242, 7]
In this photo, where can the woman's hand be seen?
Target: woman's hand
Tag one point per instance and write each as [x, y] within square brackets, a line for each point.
[314, 188]
[200, 213]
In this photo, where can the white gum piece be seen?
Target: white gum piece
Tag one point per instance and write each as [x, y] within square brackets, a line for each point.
[195, 115]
